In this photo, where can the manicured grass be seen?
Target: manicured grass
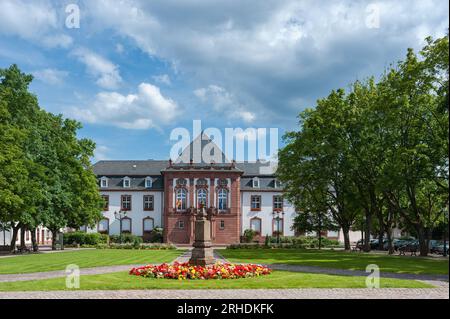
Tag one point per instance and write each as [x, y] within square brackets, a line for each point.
[338, 259]
[276, 280]
[84, 259]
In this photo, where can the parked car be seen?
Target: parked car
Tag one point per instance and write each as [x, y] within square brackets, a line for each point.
[438, 248]
[375, 246]
[395, 244]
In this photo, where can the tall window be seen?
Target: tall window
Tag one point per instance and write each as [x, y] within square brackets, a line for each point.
[181, 199]
[125, 225]
[103, 225]
[277, 202]
[126, 202]
[148, 202]
[223, 199]
[278, 224]
[106, 202]
[255, 202]
[255, 224]
[148, 224]
[202, 195]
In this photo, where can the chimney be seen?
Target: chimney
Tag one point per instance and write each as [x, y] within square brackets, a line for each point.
[170, 162]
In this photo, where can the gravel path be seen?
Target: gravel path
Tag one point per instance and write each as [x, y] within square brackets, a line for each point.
[361, 293]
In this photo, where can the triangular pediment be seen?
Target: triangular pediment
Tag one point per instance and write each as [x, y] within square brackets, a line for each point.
[202, 150]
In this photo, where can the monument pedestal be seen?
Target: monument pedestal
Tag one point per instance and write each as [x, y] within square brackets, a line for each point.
[202, 254]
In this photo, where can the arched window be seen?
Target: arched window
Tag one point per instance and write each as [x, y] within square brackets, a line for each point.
[103, 226]
[125, 225]
[147, 224]
[181, 198]
[223, 199]
[202, 196]
[255, 224]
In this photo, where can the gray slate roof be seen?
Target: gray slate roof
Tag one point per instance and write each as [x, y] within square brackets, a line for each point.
[129, 168]
[154, 167]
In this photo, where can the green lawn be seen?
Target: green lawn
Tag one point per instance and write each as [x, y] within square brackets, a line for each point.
[339, 259]
[84, 259]
[278, 279]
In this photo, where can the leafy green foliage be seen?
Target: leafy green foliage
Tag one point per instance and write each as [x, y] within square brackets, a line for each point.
[45, 173]
[378, 151]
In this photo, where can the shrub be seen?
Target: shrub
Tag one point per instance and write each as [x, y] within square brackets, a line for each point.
[125, 239]
[249, 235]
[82, 238]
[156, 236]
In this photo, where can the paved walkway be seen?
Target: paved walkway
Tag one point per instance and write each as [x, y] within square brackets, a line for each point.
[362, 293]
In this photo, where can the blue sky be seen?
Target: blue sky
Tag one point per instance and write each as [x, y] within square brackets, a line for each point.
[135, 70]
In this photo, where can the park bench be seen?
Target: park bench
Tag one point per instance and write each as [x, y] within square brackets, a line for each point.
[408, 248]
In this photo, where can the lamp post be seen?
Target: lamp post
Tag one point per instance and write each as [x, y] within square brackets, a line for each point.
[119, 215]
[276, 215]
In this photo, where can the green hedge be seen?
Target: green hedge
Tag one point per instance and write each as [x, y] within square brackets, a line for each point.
[125, 239]
[82, 238]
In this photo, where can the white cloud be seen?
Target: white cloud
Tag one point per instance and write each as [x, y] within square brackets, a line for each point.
[163, 78]
[270, 53]
[37, 21]
[101, 152]
[224, 102]
[119, 48]
[51, 76]
[148, 108]
[106, 72]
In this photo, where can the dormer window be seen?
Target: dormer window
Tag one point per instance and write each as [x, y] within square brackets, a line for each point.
[278, 184]
[126, 182]
[148, 182]
[255, 182]
[103, 182]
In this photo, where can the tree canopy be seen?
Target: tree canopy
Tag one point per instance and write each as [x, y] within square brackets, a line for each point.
[45, 172]
[377, 151]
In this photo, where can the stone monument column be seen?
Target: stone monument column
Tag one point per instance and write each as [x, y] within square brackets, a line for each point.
[202, 254]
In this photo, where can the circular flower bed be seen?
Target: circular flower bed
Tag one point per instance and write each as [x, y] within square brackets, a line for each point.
[184, 271]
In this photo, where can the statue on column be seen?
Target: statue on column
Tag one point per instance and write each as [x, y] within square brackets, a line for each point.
[202, 254]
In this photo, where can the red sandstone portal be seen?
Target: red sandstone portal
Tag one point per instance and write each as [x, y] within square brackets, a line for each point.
[229, 218]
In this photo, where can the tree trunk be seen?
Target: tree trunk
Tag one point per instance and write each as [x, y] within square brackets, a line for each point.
[54, 233]
[423, 246]
[368, 223]
[22, 238]
[320, 239]
[345, 232]
[15, 229]
[33, 240]
[380, 240]
[389, 238]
